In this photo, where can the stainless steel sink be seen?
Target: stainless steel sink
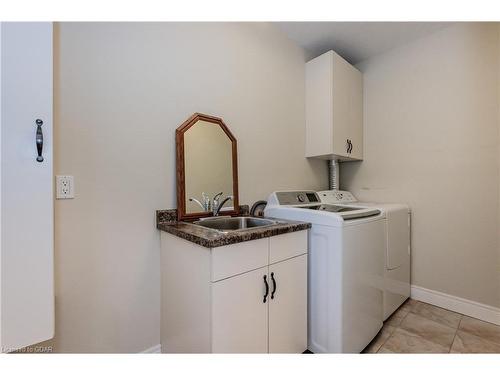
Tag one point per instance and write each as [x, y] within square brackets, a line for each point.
[227, 224]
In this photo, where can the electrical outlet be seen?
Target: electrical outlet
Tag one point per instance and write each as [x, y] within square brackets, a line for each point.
[65, 187]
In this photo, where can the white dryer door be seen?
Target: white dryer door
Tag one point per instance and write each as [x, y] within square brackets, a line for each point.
[398, 238]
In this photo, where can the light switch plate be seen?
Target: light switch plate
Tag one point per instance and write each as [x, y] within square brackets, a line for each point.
[65, 187]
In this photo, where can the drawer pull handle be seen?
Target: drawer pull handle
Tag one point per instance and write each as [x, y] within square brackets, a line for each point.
[267, 288]
[274, 285]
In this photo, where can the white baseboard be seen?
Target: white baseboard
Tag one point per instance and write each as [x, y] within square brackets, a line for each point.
[463, 306]
[153, 350]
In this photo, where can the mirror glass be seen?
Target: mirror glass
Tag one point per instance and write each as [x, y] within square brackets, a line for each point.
[209, 176]
[208, 164]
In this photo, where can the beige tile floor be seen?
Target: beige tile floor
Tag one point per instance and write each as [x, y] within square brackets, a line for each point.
[418, 327]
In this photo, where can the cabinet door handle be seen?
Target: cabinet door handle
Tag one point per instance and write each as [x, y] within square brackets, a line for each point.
[350, 142]
[347, 145]
[267, 288]
[274, 285]
[39, 140]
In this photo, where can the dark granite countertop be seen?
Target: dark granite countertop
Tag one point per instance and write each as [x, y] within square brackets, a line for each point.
[166, 220]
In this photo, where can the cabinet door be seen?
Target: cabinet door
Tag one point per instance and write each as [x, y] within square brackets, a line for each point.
[27, 229]
[288, 306]
[239, 314]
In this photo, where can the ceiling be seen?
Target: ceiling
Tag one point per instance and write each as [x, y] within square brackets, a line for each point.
[355, 41]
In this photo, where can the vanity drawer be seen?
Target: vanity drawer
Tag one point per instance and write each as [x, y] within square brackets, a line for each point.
[287, 246]
[242, 257]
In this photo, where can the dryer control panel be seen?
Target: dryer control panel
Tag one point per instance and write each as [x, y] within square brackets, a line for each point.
[336, 197]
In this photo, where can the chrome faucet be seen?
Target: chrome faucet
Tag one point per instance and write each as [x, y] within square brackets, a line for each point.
[215, 200]
[218, 206]
[207, 203]
[213, 204]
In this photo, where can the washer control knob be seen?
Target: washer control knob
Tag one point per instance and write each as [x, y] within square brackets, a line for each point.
[301, 198]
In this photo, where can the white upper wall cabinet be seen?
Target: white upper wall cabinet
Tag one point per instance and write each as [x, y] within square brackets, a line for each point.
[26, 185]
[334, 109]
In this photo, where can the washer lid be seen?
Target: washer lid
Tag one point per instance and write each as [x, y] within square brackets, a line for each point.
[346, 212]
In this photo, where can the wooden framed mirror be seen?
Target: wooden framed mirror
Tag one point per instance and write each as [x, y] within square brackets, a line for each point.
[207, 168]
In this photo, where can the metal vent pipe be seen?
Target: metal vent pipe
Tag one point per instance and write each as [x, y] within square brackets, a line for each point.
[333, 175]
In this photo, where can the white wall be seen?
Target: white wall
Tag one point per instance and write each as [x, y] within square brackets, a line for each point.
[431, 140]
[120, 92]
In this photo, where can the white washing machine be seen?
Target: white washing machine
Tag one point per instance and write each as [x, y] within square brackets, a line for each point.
[345, 273]
[397, 246]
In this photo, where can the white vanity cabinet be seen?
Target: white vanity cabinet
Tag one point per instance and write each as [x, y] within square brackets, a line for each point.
[334, 108]
[216, 300]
